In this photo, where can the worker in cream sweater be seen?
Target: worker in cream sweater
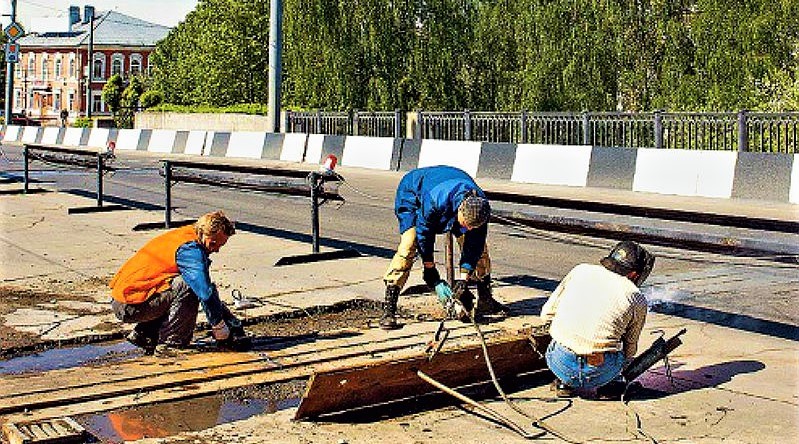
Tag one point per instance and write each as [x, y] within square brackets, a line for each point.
[597, 314]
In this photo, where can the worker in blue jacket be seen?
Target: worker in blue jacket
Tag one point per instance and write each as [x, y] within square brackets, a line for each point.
[436, 200]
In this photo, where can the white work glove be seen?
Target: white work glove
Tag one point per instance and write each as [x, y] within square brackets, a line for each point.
[220, 331]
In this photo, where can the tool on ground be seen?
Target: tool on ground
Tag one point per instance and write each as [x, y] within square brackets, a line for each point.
[659, 350]
[240, 302]
[434, 346]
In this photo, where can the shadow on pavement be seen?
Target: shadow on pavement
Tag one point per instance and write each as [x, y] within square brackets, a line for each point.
[657, 385]
[732, 320]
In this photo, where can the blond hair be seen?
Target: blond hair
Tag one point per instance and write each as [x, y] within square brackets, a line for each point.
[212, 223]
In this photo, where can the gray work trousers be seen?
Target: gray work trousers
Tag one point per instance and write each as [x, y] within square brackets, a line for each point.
[168, 317]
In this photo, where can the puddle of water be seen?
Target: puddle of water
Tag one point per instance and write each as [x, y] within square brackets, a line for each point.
[188, 415]
[61, 358]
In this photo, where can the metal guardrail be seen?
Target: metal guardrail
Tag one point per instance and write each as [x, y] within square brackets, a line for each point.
[733, 131]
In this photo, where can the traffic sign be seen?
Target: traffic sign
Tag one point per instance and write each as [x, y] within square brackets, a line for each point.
[12, 52]
[14, 31]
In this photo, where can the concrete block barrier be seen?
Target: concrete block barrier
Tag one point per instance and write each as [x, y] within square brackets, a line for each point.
[195, 143]
[764, 176]
[294, 147]
[162, 141]
[12, 133]
[793, 196]
[51, 135]
[98, 138]
[321, 145]
[75, 136]
[684, 172]
[463, 155]
[612, 167]
[216, 143]
[31, 134]
[246, 144]
[380, 153]
[130, 140]
[496, 160]
[552, 164]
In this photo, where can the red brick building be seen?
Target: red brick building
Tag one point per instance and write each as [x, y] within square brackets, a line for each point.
[52, 73]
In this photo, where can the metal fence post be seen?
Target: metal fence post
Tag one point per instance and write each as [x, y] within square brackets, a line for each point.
[100, 179]
[315, 184]
[523, 123]
[587, 139]
[659, 129]
[287, 121]
[467, 125]
[397, 124]
[419, 122]
[318, 121]
[26, 169]
[743, 131]
[167, 194]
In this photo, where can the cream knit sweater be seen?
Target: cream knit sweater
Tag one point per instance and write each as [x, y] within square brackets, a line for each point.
[596, 310]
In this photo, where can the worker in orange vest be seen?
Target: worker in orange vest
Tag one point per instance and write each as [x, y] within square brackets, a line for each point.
[162, 285]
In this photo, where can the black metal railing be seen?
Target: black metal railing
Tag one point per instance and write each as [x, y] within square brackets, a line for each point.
[741, 131]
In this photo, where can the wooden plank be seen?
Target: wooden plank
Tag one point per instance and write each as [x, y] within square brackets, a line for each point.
[374, 383]
[150, 374]
[281, 374]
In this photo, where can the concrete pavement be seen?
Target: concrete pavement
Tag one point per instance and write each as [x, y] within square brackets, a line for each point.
[730, 384]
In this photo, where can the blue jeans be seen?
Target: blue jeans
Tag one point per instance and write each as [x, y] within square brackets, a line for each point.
[575, 371]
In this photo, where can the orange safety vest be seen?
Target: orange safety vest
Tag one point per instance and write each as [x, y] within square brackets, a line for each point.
[152, 268]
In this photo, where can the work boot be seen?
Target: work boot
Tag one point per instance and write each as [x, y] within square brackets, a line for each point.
[486, 304]
[389, 319]
[165, 350]
[141, 341]
[561, 390]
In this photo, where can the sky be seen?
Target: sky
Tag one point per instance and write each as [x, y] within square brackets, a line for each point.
[51, 15]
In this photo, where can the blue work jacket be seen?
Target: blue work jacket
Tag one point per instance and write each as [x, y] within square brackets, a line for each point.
[428, 199]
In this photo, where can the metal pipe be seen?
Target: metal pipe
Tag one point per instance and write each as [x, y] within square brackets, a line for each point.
[167, 194]
[26, 157]
[99, 179]
[449, 263]
[315, 179]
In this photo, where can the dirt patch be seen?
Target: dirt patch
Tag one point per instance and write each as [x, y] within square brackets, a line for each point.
[360, 315]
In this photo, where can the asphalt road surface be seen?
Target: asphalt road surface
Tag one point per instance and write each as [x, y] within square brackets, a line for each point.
[753, 294]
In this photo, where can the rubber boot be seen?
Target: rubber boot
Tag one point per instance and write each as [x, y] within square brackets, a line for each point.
[389, 319]
[486, 304]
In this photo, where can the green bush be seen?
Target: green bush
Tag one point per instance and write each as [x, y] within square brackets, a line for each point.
[244, 108]
[82, 122]
[151, 98]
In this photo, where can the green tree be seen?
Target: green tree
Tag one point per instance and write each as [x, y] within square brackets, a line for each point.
[112, 93]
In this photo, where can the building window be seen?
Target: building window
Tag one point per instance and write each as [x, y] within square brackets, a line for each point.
[58, 73]
[57, 99]
[117, 64]
[17, 99]
[71, 73]
[31, 65]
[98, 67]
[97, 103]
[135, 64]
[71, 100]
[45, 70]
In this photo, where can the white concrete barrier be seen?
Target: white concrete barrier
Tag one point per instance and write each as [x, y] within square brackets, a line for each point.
[794, 193]
[684, 172]
[552, 164]
[128, 139]
[29, 134]
[162, 141]
[368, 152]
[11, 133]
[98, 138]
[249, 144]
[195, 143]
[313, 154]
[50, 135]
[463, 155]
[73, 136]
[209, 141]
[293, 147]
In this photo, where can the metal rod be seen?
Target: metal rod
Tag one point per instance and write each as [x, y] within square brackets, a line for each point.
[26, 157]
[315, 181]
[99, 179]
[167, 194]
[449, 263]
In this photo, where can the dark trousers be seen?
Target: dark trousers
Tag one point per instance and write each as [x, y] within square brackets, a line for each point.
[168, 317]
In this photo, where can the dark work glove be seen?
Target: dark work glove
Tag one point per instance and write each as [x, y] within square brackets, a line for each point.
[431, 277]
[461, 292]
